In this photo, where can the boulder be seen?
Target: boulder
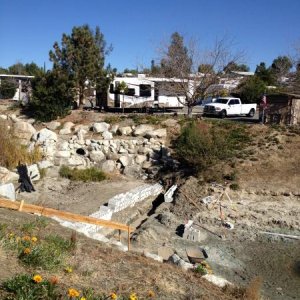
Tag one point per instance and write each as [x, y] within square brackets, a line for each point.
[14, 118]
[108, 166]
[160, 133]
[65, 131]
[125, 160]
[133, 171]
[139, 159]
[170, 123]
[63, 154]
[107, 135]
[53, 125]
[44, 164]
[114, 128]
[217, 280]
[78, 161]
[3, 117]
[78, 127]
[68, 125]
[100, 127]
[23, 130]
[44, 135]
[142, 129]
[63, 146]
[7, 176]
[8, 191]
[97, 156]
[126, 130]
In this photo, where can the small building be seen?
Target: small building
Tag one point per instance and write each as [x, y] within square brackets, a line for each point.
[283, 108]
[23, 90]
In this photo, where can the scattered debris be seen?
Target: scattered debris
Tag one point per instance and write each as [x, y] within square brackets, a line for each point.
[208, 199]
[8, 191]
[24, 180]
[228, 225]
[169, 194]
[191, 233]
[196, 254]
[296, 237]
[175, 259]
[217, 280]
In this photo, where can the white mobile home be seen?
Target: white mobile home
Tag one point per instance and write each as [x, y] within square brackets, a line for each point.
[143, 91]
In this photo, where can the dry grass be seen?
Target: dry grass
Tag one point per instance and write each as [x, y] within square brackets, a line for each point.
[253, 291]
[12, 152]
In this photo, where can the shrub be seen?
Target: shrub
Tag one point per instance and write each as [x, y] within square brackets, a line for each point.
[200, 269]
[90, 174]
[29, 287]
[7, 88]
[234, 187]
[47, 255]
[52, 96]
[12, 152]
[201, 145]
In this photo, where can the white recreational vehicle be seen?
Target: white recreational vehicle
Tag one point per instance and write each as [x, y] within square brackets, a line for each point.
[142, 91]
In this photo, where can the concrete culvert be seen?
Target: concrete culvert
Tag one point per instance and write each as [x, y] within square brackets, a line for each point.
[80, 151]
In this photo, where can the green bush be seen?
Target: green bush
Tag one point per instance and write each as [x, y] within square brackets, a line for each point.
[234, 187]
[48, 254]
[52, 96]
[24, 287]
[90, 174]
[202, 144]
[8, 88]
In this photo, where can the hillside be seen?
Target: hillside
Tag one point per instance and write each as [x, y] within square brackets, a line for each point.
[265, 197]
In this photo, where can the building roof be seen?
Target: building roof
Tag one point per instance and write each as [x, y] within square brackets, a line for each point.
[243, 73]
[16, 76]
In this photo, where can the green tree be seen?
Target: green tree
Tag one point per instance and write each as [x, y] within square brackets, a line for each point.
[177, 61]
[81, 55]
[52, 96]
[233, 66]
[7, 88]
[33, 69]
[265, 74]
[281, 67]
[205, 68]
[3, 70]
[251, 89]
[17, 69]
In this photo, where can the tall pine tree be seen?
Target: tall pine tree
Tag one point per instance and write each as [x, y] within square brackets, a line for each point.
[82, 56]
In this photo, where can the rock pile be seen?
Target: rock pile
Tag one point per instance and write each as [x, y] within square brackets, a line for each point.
[136, 151]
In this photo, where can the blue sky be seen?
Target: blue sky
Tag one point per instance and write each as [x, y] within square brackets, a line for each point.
[264, 29]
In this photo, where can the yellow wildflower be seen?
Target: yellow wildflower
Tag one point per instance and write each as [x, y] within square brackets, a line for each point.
[34, 239]
[26, 238]
[68, 270]
[11, 235]
[113, 296]
[82, 298]
[151, 294]
[133, 296]
[72, 293]
[37, 278]
[26, 251]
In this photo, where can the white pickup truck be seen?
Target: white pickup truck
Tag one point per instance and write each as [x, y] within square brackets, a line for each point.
[228, 106]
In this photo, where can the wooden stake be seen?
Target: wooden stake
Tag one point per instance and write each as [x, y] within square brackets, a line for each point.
[21, 205]
[128, 238]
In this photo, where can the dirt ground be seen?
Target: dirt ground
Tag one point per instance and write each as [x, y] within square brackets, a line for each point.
[267, 199]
